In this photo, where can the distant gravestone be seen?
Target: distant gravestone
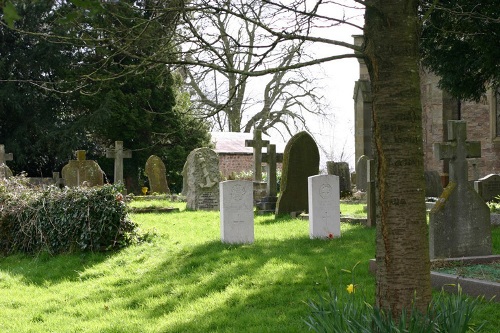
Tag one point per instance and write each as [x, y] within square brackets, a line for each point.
[341, 169]
[82, 172]
[488, 187]
[460, 220]
[257, 143]
[433, 185]
[157, 175]
[300, 161]
[267, 203]
[236, 212]
[118, 154]
[361, 173]
[324, 206]
[201, 180]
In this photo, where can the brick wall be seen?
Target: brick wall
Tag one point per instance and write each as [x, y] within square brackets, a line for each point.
[438, 108]
[237, 163]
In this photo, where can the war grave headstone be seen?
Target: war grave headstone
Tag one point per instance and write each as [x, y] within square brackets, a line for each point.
[5, 171]
[82, 172]
[257, 144]
[433, 184]
[157, 175]
[267, 204]
[118, 154]
[324, 206]
[300, 161]
[236, 212]
[460, 221]
[370, 194]
[341, 169]
[488, 187]
[201, 180]
[361, 173]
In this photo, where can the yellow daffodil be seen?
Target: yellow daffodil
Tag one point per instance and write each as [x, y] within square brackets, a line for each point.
[350, 288]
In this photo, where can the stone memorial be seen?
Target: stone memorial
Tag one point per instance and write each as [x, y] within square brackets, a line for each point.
[433, 184]
[341, 169]
[5, 171]
[259, 187]
[460, 220]
[267, 203]
[488, 187]
[236, 212]
[157, 175]
[82, 172]
[361, 173]
[118, 153]
[201, 180]
[300, 161]
[324, 206]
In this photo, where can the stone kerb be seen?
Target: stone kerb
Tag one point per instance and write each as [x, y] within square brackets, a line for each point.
[157, 175]
[201, 180]
[236, 212]
[324, 206]
[460, 220]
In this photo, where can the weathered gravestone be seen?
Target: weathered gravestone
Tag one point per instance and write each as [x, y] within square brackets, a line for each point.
[341, 169]
[82, 172]
[324, 206]
[300, 161]
[201, 180]
[5, 171]
[118, 154]
[433, 184]
[257, 143]
[236, 212]
[488, 187]
[460, 220]
[361, 173]
[157, 175]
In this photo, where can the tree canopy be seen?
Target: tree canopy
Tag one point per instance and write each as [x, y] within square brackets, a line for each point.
[460, 43]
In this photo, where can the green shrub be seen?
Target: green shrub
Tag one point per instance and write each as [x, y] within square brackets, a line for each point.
[57, 221]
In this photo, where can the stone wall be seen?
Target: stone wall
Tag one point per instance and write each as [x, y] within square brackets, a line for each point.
[237, 163]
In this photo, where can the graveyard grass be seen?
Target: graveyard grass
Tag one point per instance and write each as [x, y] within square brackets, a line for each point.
[183, 279]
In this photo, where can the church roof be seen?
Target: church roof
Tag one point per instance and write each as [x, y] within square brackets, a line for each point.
[234, 143]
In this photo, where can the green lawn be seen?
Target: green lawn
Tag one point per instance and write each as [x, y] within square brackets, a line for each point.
[185, 280]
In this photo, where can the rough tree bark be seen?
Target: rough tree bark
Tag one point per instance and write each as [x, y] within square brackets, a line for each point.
[403, 268]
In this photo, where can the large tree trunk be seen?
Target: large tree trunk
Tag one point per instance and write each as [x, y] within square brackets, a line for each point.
[403, 269]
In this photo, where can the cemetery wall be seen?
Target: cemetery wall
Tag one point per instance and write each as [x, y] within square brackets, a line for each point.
[438, 108]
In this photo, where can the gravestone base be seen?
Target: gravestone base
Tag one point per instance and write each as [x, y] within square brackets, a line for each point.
[267, 205]
[459, 224]
[259, 191]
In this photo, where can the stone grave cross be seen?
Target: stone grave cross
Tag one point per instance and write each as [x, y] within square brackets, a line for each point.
[457, 150]
[459, 222]
[271, 158]
[257, 143]
[118, 154]
[4, 170]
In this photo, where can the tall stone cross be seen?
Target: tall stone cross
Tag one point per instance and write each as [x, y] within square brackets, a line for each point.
[457, 150]
[271, 159]
[257, 143]
[4, 170]
[118, 154]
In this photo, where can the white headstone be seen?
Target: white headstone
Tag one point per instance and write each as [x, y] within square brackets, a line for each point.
[324, 206]
[236, 211]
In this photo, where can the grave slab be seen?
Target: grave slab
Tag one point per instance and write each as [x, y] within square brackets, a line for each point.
[324, 206]
[236, 212]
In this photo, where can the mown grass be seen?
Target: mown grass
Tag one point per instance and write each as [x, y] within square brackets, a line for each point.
[185, 280]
